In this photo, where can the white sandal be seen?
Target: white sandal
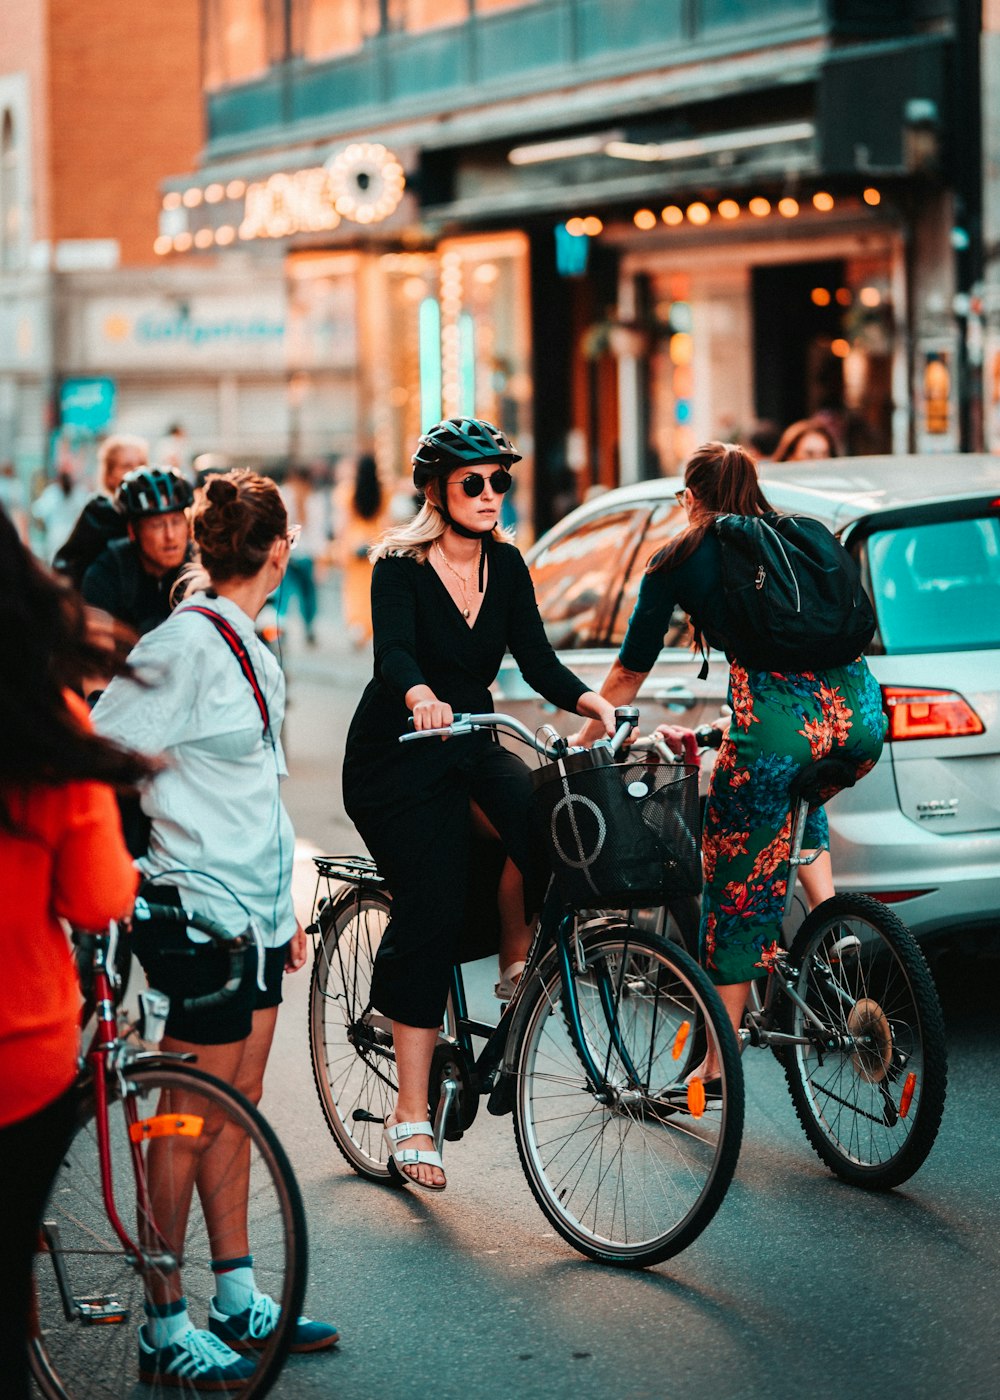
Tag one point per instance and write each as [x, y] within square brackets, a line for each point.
[509, 978]
[412, 1156]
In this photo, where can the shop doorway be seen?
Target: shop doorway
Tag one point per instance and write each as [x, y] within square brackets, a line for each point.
[823, 343]
[796, 319]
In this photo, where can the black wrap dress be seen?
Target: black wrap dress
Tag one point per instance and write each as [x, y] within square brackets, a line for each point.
[410, 802]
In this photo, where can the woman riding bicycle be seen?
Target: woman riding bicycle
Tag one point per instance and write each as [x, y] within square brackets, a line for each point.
[781, 723]
[220, 842]
[449, 595]
[61, 857]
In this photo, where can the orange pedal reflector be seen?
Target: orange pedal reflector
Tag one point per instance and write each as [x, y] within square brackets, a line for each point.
[696, 1097]
[167, 1125]
[680, 1039]
[906, 1100]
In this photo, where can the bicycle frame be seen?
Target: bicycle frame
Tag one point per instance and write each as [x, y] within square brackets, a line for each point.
[555, 939]
[108, 1054]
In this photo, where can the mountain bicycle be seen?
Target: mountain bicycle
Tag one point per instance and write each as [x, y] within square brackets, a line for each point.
[125, 1223]
[850, 1011]
[627, 1161]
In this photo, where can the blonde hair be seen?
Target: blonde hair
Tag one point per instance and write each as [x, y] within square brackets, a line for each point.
[110, 448]
[414, 539]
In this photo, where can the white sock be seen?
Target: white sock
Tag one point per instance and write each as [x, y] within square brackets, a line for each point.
[235, 1290]
[164, 1331]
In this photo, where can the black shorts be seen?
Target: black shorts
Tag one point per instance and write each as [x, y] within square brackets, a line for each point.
[181, 968]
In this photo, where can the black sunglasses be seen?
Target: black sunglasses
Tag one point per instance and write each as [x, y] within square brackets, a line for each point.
[474, 484]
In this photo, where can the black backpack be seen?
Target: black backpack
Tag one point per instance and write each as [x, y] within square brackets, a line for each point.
[794, 599]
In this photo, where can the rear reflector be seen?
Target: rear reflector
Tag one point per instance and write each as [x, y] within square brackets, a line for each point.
[928, 714]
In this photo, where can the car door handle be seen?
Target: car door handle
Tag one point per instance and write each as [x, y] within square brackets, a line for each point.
[676, 695]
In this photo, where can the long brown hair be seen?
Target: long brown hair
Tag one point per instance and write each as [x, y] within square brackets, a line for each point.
[722, 477]
[49, 649]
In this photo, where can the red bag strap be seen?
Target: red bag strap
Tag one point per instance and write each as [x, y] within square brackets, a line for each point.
[231, 637]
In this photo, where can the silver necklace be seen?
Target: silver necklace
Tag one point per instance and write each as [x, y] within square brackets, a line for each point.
[463, 580]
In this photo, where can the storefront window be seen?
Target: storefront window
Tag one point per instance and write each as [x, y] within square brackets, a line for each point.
[446, 333]
[412, 16]
[237, 39]
[484, 6]
[740, 344]
[325, 28]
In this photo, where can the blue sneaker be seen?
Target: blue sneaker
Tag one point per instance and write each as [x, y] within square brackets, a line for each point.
[197, 1360]
[249, 1330]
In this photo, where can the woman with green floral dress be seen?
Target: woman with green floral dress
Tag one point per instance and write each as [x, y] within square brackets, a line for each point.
[781, 723]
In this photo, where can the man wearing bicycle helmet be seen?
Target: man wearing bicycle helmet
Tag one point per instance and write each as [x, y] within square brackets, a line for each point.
[133, 578]
[450, 594]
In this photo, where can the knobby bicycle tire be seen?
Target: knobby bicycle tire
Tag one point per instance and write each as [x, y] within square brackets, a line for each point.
[353, 1064]
[633, 1181]
[169, 1110]
[871, 1110]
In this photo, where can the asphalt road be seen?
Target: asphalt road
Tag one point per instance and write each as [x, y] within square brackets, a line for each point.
[801, 1286]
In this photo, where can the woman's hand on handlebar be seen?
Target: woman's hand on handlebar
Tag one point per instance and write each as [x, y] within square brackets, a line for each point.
[601, 715]
[428, 711]
[679, 740]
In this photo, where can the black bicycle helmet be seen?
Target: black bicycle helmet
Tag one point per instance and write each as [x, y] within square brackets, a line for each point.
[460, 442]
[152, 491]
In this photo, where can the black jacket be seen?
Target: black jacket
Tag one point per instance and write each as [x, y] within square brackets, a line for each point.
[99, 523]
[118, 583]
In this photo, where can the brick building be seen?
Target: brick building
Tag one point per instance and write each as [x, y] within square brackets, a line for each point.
[99, 101]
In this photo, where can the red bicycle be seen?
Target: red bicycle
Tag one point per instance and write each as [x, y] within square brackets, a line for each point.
[139, 1207]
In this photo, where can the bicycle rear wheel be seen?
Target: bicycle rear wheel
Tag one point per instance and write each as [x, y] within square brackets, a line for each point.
[89, 1292]
[631, 1171]
[870, 1091]
[350, 1045]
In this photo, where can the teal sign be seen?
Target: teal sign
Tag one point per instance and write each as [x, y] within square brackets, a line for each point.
[87, 404]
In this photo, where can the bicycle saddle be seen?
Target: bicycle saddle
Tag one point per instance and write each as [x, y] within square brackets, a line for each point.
[816, 783]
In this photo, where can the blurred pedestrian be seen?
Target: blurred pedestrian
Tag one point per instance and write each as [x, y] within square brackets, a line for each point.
[133, 578]
[763, 439]
[14, 498]
[808, 440]
[308, 515]
[220, 842]
[61, 857]
[100, 521]
[361, 510]
[56, 510]
[173, 451]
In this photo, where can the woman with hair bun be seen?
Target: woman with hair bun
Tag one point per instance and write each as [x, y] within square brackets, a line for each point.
[781, 723]
[220, 842]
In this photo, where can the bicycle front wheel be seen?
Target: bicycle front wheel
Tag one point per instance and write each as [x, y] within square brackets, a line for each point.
[197, 1175]
[630, 1170]
[350, 1044]
[869, 1088]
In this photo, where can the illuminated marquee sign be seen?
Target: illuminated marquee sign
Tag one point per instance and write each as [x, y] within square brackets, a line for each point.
[363, 183]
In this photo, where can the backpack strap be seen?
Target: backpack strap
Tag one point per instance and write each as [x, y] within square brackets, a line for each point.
[231, 637]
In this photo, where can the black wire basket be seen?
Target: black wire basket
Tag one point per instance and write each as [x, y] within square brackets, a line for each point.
[620, 835]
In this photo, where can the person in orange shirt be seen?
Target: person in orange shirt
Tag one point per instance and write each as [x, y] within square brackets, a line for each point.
[62, 856]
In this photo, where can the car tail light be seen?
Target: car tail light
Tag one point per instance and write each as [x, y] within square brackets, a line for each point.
[928, 714]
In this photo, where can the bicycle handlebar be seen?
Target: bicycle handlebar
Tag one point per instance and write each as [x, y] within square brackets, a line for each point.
[235, 944]
[706, 736]
[553, 746]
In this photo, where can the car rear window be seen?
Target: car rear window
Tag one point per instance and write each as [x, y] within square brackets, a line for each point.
[936, 587]
[667, 521]
[577, 574]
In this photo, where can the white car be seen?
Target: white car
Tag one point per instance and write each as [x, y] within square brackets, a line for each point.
[922, 831]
